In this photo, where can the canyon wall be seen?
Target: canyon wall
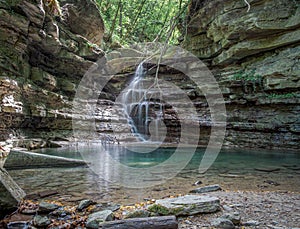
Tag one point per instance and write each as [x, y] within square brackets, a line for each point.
[45, 50]
[254, 55]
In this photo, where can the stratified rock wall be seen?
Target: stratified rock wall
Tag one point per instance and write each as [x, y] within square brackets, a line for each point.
[43, 56]
[255, 57]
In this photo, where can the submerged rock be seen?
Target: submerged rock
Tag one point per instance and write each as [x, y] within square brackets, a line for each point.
[95, 219]
[267, 169]
[210, 188]
[185, 205]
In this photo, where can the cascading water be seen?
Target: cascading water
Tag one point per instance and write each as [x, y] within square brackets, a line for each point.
[144, 116]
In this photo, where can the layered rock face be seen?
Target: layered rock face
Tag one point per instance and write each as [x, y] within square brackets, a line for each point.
[254, 56]
[45, 50]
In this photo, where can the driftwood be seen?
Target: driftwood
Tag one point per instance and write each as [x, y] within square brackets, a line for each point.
[162, 222]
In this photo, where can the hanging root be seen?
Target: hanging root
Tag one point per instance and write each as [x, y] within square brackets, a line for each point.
[247, 5]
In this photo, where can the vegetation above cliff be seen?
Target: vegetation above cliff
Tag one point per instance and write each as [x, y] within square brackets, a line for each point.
[143, 21]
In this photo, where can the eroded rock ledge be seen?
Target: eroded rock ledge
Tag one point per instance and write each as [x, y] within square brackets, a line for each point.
[44, 53]
[255, 56]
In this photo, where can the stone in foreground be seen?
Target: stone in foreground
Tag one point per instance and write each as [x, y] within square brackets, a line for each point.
[84, 204]
[210, 188]
[186, 205]
[222, 223]
[94, 220]
[162, 222]
[47, 207]
[10, 193]
[234, 217]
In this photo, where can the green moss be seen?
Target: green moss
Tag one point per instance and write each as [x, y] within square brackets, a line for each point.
[91, 45]
[249, 78]
[161, 210]
[281, 96]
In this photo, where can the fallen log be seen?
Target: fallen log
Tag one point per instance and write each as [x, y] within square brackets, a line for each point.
[162, 222]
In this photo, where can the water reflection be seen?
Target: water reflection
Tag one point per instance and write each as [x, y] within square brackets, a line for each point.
[233, 169]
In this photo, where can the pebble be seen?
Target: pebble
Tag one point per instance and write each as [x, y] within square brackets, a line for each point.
[198, 182]
[251, 223]
[227, 208]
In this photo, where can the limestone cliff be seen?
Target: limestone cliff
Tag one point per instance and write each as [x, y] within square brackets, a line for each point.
[45, 50]
[255, 57]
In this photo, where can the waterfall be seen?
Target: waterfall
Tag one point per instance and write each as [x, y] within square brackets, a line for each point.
[142, 114]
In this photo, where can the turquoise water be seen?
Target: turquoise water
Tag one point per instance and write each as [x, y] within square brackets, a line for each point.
[234, 159]
[235, 169]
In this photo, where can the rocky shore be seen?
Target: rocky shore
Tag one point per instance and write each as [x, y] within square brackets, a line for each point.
[208, 209]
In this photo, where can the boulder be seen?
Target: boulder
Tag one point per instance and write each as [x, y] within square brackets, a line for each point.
[185, 205]
[95, 219]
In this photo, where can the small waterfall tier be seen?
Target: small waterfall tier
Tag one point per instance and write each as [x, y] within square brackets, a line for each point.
[143, 107]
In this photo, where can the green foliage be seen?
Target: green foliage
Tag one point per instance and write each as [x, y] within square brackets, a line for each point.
[133, 21]
[282, 96]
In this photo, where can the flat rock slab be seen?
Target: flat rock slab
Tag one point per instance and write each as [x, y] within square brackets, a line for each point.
[163, 222]
[210, 188]
[18, 159]
[186, 205]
